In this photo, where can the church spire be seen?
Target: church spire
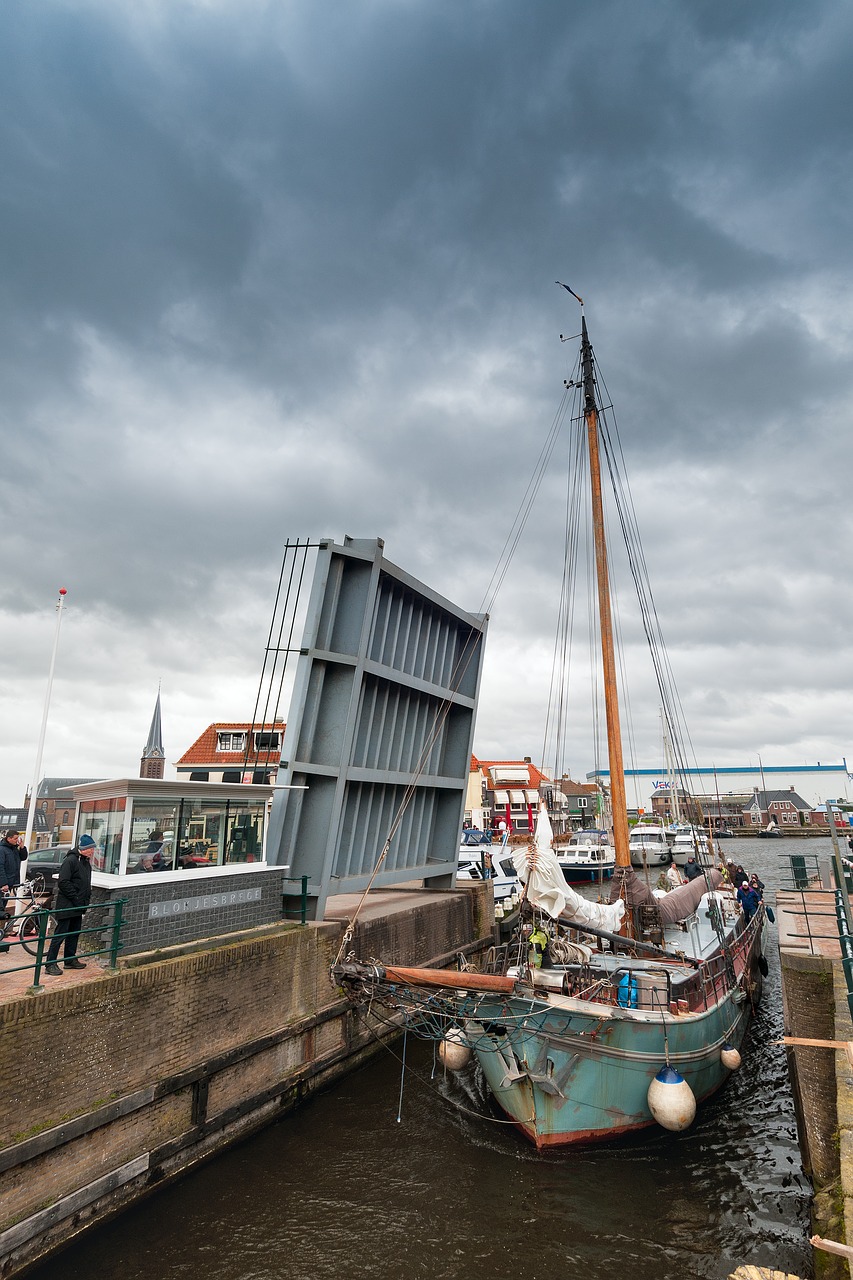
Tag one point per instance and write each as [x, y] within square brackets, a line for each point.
[153, 762]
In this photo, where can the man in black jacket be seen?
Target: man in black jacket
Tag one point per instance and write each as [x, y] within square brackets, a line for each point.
[12, 854]
[75, 891]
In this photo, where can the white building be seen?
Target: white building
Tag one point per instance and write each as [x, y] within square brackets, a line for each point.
[816, 783]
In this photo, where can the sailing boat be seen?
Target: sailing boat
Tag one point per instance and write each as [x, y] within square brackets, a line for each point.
[597, 1019]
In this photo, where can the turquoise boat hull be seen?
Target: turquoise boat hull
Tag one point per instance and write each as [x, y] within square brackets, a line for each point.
[577, 1071]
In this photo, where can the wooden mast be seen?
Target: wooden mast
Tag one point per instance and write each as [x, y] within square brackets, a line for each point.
[618, 800]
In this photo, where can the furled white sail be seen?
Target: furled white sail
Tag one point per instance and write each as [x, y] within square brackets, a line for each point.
[538, 868]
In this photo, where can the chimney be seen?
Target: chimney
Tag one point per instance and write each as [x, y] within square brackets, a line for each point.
[527, 760]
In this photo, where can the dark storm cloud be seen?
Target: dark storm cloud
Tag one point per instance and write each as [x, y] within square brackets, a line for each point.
[271, 270]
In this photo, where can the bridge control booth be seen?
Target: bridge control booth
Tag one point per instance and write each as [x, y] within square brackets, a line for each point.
[189, 858]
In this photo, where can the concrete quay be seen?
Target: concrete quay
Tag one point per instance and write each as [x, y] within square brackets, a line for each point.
[113, 1083]
[814, 993]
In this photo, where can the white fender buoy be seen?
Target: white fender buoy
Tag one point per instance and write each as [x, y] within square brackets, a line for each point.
[499, 911]
[671, 1100]
[453, 1051]
[730, 1057]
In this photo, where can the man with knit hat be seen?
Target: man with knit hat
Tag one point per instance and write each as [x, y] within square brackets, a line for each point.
[74, 896]
[748, 899]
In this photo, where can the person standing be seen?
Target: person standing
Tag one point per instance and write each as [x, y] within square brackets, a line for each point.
[749, 900]
[673, 877]
[12, 854]
[74, 895]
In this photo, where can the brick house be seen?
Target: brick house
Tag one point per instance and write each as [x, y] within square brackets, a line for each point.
[56, 806]
[784, 808]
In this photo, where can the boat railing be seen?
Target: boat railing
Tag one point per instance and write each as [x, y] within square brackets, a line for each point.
[718, 972]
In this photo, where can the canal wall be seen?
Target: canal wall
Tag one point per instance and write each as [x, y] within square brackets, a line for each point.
[815, 1004]
[110, 1088]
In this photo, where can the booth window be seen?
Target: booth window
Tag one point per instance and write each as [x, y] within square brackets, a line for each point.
[103, 820]
[188, 834]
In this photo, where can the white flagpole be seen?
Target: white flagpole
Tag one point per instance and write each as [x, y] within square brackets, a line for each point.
[31, 814]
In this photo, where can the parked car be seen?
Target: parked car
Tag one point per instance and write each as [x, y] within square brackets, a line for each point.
[46, 862]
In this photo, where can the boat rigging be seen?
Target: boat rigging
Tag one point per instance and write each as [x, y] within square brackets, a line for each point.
[597, 1019]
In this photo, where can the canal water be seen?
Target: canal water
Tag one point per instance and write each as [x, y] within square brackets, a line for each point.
[343, 1188]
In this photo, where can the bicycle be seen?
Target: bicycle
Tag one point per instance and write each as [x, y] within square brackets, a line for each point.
[33, 900]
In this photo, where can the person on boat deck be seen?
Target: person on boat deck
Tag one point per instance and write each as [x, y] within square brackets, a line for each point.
[737, 875]
[748, 899]
[757, 885]
[692, 870]
[673, 877]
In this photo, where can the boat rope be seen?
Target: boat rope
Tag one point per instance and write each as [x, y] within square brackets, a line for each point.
[465, 657]
[458, 1106]
[402, 1075]
[663, 1012]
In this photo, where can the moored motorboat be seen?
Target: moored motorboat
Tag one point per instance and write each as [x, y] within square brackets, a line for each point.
[585, 856]
[688, 842]
[649, 845]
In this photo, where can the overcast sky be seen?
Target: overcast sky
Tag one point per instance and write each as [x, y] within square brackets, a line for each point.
[279, 268]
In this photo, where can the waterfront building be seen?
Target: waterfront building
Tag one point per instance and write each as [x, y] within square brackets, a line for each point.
[506, 791]
[716, 787]
[784, 808]
[578, 802]
[234, 751]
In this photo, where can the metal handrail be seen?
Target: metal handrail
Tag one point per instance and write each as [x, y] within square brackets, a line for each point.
[43, 914]
[303, 880]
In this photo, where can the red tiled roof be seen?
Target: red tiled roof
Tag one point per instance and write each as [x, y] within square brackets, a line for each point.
[203, 751]
[535, 776]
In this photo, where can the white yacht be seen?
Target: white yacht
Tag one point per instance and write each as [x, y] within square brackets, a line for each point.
[688, 842]
[648, 845]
